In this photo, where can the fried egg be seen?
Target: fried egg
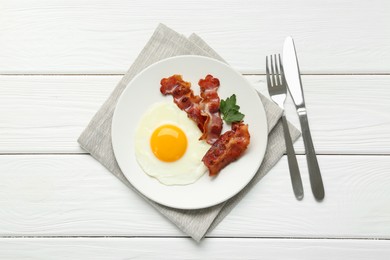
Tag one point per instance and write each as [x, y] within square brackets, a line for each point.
[167, 146]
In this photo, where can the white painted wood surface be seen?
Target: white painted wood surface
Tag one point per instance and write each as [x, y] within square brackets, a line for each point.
[105, 37]
[59, 60]
[45, 195]
[45, 114]
[175, 248]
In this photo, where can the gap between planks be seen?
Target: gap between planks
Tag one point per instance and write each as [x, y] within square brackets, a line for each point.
[86, 153]
[243, 73]
[207, 237]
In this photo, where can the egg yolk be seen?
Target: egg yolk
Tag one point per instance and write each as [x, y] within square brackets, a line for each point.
[168, 143]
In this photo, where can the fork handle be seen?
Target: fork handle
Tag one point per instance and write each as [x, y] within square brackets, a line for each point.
[295, 175]
[316, 183]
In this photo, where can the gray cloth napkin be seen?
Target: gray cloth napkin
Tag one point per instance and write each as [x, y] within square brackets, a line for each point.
[96, 138]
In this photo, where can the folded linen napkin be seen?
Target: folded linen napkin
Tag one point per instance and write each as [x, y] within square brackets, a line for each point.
[96, 138]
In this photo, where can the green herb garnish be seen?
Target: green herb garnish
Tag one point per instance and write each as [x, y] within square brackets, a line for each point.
[230, 110]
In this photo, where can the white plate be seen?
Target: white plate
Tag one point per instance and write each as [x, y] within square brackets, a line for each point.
[144, 90]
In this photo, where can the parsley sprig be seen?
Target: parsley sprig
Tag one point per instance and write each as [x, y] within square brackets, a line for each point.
[230, 110]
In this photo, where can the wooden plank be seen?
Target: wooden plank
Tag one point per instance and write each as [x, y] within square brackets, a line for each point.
[182, 248]
[106, 36]
[46, 114]
[73, 195]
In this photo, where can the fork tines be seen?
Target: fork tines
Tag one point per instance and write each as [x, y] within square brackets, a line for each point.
[276, 78]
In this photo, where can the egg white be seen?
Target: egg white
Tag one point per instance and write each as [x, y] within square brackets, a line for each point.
[189, 167]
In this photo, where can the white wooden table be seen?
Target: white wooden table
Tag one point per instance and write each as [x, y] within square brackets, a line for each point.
[59, 60]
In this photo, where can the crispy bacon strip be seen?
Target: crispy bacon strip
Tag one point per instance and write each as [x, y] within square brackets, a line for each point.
[210, 109]
[184, 98]
[228, 148]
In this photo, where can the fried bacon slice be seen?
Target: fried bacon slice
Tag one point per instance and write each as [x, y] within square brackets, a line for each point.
[228, 148]
[210, 109]
[184, 98]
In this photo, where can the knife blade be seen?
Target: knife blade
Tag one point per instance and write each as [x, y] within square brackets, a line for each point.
[294, 83]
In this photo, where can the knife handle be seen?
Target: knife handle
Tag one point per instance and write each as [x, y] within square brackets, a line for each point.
[295, 175]
[316, 183]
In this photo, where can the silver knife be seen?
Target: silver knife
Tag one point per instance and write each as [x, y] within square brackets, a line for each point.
[293, 79]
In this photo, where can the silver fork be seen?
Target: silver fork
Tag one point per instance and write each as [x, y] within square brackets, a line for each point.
[277, 89]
